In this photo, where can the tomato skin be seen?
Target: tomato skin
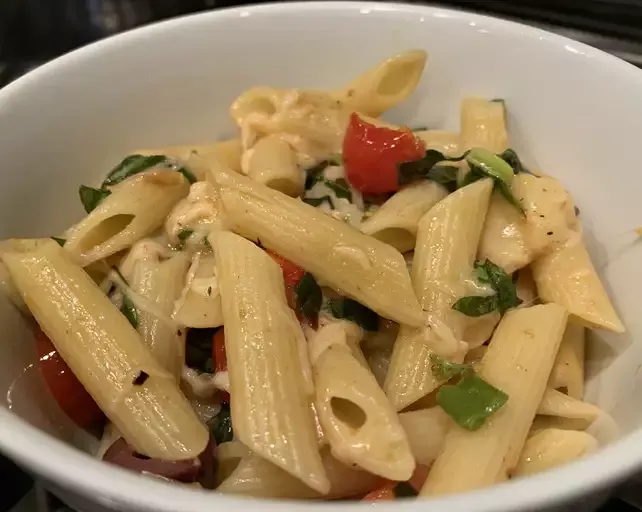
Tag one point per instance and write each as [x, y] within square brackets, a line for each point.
[220, 357]
[66, 389]
[371, 155]
[384, 493]
[292, 274]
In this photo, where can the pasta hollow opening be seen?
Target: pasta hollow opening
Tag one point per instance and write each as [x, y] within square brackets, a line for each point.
[284, 185]
[105, 230]
[399, 238]
[348, 413]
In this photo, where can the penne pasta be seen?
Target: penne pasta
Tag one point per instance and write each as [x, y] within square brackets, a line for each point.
[446, 245]
[262, 338]
[273, 163]
[396, 222]
[518, 361]
[568, 372]
[553, 447]
[106, 354]
[426, 430]
[447, 143]
[483, 124]
[558, 404]
[350, 262]
[257, 477]
[357, 419]
[566, 276]
[136, 207]
[386, 85]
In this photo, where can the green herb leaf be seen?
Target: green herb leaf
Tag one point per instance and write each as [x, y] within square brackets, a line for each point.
[314, 174]
[308, 296]
[91, 197]
[444, 369]
[133, 164]
[503, 285]
[318, 201]
[471, 401]
[481, 273]
[475, 305]
[340, 188]
[355, 312]
[506, 191]
[191, 179]
[184, 234]
[221, 425]
[61, 241]
[405, 490]
[129, 310]
[510, 157]
[206, 243]
[421, 169]
[419, 129]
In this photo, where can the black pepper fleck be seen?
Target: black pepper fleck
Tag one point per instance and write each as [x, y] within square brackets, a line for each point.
[549, 233]
[141, 378]
[209, 290]
[541, 216]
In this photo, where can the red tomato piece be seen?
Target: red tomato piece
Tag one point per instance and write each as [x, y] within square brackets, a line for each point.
[66, 389]
[384, 493]
[292, 274]
[371, 155]
[220, 357]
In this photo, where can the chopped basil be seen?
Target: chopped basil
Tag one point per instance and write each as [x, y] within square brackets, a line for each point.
[129, 310]
[198, 349]
[135, 164]
[141, 378]
[184, 234]
[318, 201]
[314, 174]
[308, 296]
[423, 168]
[405, 490]
[475, 305]
[443, 369]
[351, 310]
[221, 425]
[61, 241]
[206, 243]
[471, 401]
[445, 175]
[340, 188]
[505, 296]
[91, 197]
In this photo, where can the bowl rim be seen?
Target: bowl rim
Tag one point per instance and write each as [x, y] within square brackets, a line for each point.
[91, 479]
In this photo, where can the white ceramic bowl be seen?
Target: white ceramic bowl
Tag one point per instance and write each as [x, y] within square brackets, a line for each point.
[576, 110]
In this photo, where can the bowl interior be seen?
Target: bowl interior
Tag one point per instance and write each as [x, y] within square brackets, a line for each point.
[574, 112]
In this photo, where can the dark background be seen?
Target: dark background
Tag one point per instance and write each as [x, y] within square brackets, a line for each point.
[34, 31]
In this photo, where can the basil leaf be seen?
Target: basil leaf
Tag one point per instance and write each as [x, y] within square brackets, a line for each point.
[475, 305]
[318, 201]
[191, 179]
[129, 310]
[510, 157]
[198, 349]
[314, 174]
[206, 243]
[353, 311]
[420, 169]
[61, 241]
[471, 401]
[405, 490]
[184, 234]
[340, 188]
[506, 191]
[502, 284]
[91, 197]
[133, 164]
[445, 175]
[444, 369]
[221, 425]
[308, 296]
[481, 273]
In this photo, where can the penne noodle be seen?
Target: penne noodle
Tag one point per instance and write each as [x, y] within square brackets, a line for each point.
[568, 372]
[348, 261]
[447, 143]
[446, 245]
[426, 430]
[518, 361]
[483, 125]
[136, 207]
[396, 222]
[106, 354]
[262, 339]
[566, 276]
[273, 163]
